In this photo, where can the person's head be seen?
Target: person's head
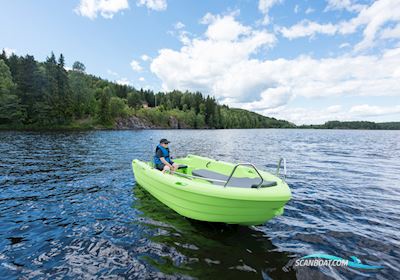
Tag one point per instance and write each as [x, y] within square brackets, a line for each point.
[164, 142]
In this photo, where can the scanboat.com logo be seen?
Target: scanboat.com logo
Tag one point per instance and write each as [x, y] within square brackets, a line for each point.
[329, 260]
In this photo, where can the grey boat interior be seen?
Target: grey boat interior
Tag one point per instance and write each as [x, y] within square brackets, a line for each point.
[240, 182]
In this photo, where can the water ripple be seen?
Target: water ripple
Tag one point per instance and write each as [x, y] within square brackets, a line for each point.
[69, 206]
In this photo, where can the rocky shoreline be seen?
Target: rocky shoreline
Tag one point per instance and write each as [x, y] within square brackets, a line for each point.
[133, 122]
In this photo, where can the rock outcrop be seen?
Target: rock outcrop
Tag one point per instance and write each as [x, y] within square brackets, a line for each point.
[173, 122]
[133, 122]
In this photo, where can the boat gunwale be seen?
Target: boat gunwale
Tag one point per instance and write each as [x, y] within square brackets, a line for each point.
[282, 191]
[225, 198]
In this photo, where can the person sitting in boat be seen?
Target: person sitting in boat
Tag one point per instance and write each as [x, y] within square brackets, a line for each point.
[162, 160]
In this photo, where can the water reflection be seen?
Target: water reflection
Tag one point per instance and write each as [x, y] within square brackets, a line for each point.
[206, 250]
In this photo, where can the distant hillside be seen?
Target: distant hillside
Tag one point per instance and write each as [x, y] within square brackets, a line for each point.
[45, 95]
[355, 125]
[254, 120]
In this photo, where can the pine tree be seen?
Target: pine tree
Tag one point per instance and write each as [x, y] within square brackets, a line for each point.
[28, 88]
[61, 61]
[65, 108]
[3, 56]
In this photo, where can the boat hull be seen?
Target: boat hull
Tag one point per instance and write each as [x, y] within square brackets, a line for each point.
[207, 202]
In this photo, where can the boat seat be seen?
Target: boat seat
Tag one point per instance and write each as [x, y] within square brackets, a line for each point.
[239, 182]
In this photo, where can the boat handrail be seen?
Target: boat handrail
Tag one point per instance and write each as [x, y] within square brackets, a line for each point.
[245, 164]
[278, 169]
[223, 181]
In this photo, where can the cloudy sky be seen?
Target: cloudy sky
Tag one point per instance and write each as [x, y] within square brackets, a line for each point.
[304, 61]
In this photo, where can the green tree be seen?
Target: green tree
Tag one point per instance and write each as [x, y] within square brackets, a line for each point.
[200, 122]
[78, 67]
[82, 96]
[104, 110]
[10, 107]
[134, 99]
[64, 91]
[30, 80]
[118, 107]
[3, 56]
[50, 95]
[57, 90]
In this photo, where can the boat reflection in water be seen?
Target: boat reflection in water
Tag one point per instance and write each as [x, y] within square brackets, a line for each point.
[186, 247]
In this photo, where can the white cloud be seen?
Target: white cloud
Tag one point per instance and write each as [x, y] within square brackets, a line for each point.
[299, 115]
[225, 29]
[222, 63]
[264, 6]
[142, 79]
[296, 9]
[309, 10]
[156, 5]
[179, 25]
[391, 33]
[145, 57]
[112, 73]
[307, 28]
[106, 8]
[372, 18]
[348, 5]
[124, 82]
[334, 109]
[135, 65]
[209, 64]
[270, 98]
[182, 34]
[344, 45]
[368, 110]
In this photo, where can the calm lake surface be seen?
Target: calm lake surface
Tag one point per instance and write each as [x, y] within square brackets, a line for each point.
[69, 206]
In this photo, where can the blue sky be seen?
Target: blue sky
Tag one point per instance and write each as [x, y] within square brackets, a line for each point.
[304, 61]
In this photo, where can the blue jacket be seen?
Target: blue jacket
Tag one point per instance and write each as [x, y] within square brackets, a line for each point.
[165, 155]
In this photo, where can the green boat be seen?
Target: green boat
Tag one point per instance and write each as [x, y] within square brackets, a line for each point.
[215, 191]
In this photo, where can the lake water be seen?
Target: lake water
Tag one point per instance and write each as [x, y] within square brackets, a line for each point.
[69, 206]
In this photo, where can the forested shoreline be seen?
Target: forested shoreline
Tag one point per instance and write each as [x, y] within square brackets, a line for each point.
[44, 95]
[355, 125]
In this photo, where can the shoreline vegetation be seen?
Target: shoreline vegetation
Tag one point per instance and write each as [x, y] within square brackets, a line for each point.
[45, 96]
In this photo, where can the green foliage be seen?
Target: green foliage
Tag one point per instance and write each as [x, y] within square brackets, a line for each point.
[118, 107]
[78, 67]
[45, 94]
[355, 125]
[104, 108]
[10, 108]
[82, 99]
[389, 125]
[154, 115]
[6, 83]
[134, 99]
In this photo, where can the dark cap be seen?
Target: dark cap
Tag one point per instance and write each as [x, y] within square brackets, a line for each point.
[164, 141]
